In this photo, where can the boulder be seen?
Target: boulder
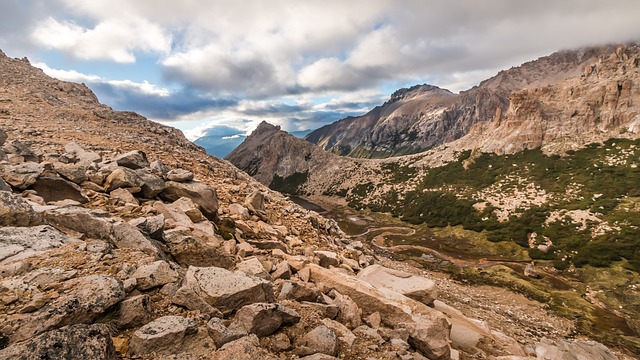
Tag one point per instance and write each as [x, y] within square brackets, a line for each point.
[69, 342]
[255, 202]
[179, 175]
[76, 173]
[253, 267]
[165, 335]
[282, 271]
[81, 154]
[14, 211]
[95, 224]
[239, 211]
[122, 197]
[150, 184]
[348, 311]
[245, 348]
[263, 319]
[227, 290]
[415, 287]
[570, 350]
[82, 301]
[151, 226]
[189, 250]
[135, 159]
[127, 236]
[21, 150]
[203, 195]
[319, 340]
[22, 176]
[327, 258]
[292, 290]
[220, 334]
[155, 274]
[134, 312]
[20, 242]
[186, 296]
[428, 328]
[157, 167]
[122, 177]
[52, 187]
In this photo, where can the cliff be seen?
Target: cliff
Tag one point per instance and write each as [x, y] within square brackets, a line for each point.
[423, 117]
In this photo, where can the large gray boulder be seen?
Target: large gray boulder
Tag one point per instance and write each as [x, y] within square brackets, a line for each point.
[416, 287]
[82, 156]
[165, 335]
[135, 159]
[69, 342]
[76, 173]
[202, 195]
[263, 319]
[20, 242]
[227, 290]
[14, 211]
[82, 301]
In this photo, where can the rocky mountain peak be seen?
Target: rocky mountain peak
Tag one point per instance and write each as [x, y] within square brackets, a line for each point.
[265, 127]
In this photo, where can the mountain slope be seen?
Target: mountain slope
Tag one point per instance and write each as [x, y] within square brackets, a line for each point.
[421, 117]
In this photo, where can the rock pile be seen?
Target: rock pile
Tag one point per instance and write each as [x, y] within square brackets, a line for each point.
[110, 254]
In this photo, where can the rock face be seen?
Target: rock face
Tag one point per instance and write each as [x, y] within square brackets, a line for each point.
[424, 116]
[165, 335]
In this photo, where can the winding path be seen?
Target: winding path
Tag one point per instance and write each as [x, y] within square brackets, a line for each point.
[378, 241]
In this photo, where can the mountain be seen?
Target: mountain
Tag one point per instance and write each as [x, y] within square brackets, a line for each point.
[424, 116]
[119, 238]
[221, 143]
[552, 178]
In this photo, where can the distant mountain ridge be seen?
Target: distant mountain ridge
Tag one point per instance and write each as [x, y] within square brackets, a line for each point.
[424, 116]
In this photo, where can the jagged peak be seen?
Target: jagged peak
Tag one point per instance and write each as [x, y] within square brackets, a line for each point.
[406, 92]
[265, 127]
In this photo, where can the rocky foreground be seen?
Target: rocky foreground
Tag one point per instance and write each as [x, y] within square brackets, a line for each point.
[120, 239]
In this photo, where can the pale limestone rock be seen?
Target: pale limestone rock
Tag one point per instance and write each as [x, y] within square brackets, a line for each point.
[123, 196]
[21, 242]
[81, 155]
[282, 271]
[416, 287]
[253, 267]
[122, 178]
[293, 290]
[179, 175]
[165, 335]
[155, 274]
[227, 290]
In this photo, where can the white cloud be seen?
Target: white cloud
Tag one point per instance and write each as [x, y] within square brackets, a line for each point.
[115, 39]
[126, 85]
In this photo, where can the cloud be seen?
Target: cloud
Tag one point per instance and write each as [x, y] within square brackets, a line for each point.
[148, 99]
[114, 39]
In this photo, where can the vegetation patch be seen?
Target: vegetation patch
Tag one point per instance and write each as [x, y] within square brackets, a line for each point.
[291, 184]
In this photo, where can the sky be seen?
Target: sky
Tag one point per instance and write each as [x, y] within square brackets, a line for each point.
[221, 67]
